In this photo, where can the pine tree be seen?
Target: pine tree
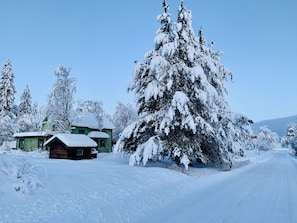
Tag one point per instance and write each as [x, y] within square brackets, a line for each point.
[61, 100]
[180, 93]
[8, 111]
[26, 113]
[25, 106]
[174, 100]
[7, 90]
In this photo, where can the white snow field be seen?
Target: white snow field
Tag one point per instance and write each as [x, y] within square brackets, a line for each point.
[108, 190]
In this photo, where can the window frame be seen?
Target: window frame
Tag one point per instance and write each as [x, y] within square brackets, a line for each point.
[79, 152]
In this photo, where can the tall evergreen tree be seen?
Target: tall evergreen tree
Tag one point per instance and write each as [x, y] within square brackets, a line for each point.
[61, 100]
[25, 106]
[26, 113]
[7, 90]
[7, 105]
[176, 102]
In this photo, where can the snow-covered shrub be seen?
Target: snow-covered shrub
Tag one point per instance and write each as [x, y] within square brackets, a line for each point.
[25, 176]
[266, 139]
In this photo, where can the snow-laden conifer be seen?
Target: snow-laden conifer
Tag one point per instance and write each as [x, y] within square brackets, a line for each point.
[8, 110]
[61, 100]
[7, 90]
[25, 106]
[175, 100]
[180, 92]
[28, 120]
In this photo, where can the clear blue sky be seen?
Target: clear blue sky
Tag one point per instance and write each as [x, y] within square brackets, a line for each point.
[99, 40]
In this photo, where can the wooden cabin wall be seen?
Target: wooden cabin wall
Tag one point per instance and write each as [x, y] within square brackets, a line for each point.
[58, 151]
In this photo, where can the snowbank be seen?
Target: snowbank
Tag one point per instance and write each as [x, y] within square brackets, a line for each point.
[103, 190]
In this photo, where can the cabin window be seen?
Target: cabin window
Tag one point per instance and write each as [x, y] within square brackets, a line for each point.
[40, 143]
[81, 131]
[102, 143]
[21, 143]
[79, 152]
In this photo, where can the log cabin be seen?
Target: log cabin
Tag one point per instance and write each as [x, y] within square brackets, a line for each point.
[71, 146]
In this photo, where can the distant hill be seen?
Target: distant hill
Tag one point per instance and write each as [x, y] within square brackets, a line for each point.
[278, 125]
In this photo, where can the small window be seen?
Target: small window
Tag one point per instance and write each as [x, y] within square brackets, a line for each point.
[40, 143]
[21, 143]
[79, 152]
[81, 131]
[102, 143]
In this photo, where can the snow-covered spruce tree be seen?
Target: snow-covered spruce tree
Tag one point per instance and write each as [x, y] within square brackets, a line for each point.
[7, 90]
[175, 101]
[25, 106]
[8, 111]
[123, 116]
[60, 101]
[26, 114]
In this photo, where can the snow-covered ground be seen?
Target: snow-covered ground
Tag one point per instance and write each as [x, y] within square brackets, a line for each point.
[108, 190]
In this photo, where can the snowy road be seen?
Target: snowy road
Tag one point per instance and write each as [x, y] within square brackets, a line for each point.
[265, 192]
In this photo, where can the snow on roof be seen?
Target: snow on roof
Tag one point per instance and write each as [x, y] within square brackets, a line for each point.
[73, 140]
[98, 135]
[31, 134]
[89, 120]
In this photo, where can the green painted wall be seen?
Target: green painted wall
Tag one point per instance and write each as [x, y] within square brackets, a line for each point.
[107, 142]
[29, 144]
[47, 126]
